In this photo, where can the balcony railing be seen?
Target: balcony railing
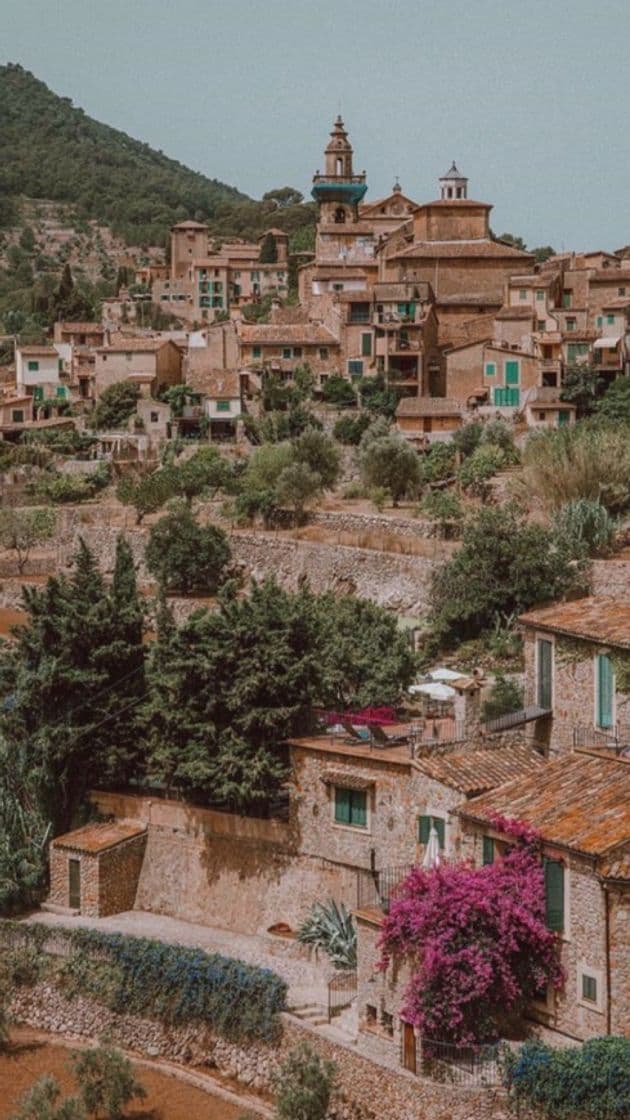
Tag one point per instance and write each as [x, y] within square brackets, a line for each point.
[375, 889]
[342, 991]
[616, 737]
[460, 1065]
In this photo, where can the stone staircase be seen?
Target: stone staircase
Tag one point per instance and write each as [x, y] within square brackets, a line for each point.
[313, 1013]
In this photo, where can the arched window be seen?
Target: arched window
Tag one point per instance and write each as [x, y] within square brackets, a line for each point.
[339, 162]
[340, 214]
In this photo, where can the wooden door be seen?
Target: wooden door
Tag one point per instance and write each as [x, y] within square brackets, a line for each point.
[74, 884]
[409, 1048]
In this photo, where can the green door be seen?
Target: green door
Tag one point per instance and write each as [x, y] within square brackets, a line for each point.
[563, 417]
[511, 373]
[545, 657]
[605, 691]
[74, 884]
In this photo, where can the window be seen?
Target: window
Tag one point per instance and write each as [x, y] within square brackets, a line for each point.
[224, 406]
[287, 352]
[576, 350]
[254, 276]
[60, 365]
[523, 293]
[621, 291]
[17, 416]
[589, 988]
[426, 823]
[491, 369]
[371, 1017]
[297, 351]
[360, 313]
[600, 320]
[155, 417]
[610, 319]
[256, 351]
[351, 807]
[387, 1023]
[323, 353]
[487, 850]
[337, 287]
[604, 691]
[540, 295]
[237, 275]
[571, 324]
[541, 324]
[554, 894]
[544, 663]
[355, 368]
[566, 298]
[33, 367]
[366, 345]
[128, 356]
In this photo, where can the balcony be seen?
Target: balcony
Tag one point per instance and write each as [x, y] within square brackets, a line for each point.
[616, 737]
[390, 320]
[375, 889]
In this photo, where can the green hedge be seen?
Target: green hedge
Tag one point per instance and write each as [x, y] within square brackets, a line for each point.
[138, 976]
[588, 1082]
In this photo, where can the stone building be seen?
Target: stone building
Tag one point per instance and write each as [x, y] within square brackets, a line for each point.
[281, 347]
[425, 420]
[577, 670]
[580, 805]
[153, 364]
[95, 870]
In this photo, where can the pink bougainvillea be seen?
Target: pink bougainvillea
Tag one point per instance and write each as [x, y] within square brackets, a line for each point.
[476, 939]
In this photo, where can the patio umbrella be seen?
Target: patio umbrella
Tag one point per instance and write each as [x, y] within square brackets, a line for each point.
[431, 856]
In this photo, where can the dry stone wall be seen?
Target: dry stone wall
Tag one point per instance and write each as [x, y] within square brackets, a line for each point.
[366, 1089]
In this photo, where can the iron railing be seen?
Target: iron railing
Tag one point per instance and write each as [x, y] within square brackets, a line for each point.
[342, 991]
[460, 1065]
[375, 889]
[616, 737]
[515, 719]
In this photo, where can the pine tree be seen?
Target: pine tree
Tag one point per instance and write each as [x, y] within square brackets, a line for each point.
[268, 250]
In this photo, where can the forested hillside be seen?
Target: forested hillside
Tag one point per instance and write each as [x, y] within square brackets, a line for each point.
[53, 150]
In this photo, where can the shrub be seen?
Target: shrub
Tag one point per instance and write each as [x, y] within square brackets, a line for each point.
[379, 497]
[477, 470]
[615, 404]
[504, 566]
[466, 439]
[42, 1103]
[21, 529]
[589, 460]
[498, 433]
[184, 556]
[585, 527]
[505, 696]
[353, 490]
[338, 391]
[116, 405]
[587, 1082]
[350, 429]
[150, 493]
[304, 1085]
[391, 463]
[377, 397]
[444, 507]
[438, 464]
[67, 488]
[106, 1081]
[319, 452]
[476, 940]
[331, 928]
[297, 487]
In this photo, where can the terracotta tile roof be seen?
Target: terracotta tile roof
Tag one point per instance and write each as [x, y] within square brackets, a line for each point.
[133, 345]
[461, 203]
[478, 247]
[325, 271]
[398, 754]
[476, 771]
[596, 619]
[190, 224]
[346, 779]
[279, 333]
[580, 801]
[221, 384]
[619, 303]
[94, 838]
[275, 231]
[38, 351]
[516, 313]
[612, 275]
[429, 406]
[472, 299]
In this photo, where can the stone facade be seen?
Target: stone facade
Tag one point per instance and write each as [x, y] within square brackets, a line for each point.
[105, 881]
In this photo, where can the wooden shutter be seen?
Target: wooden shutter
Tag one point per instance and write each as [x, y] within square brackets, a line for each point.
[424, 828]
[511, 373]
[554, 894]
[358, 808]
[342, 805]
[605, 691]
[544, 673]
[488, 850]
[366, 345]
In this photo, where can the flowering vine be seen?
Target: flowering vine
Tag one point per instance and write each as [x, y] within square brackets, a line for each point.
[476, 939]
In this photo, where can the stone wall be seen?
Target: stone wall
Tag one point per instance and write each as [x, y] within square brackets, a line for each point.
[364, 1090]
[619, 918]
[611, 578]
[108, 879]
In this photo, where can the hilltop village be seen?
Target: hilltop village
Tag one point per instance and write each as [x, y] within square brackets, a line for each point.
[316, 616]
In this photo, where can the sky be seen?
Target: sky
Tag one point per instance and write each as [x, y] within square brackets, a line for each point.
[530, 97]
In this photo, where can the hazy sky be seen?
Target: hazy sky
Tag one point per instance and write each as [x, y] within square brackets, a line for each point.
[531, 97]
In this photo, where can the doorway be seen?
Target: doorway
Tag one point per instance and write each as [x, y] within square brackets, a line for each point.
[74, 884]
[409, 1048]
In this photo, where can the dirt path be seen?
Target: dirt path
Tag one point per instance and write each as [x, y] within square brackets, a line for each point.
[173, 1093]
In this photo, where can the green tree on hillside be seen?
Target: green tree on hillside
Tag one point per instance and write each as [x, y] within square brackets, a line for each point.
[268, 249]
[185, 556]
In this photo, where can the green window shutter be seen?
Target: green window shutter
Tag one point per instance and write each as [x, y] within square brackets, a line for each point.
[424, 828]
[554, 894]
[563, 417]
[488, 850]
[439, 825]
[366, 345]
[605, 691]
[600, 320]
[358, 808]
[491, 369]
[224, 406]
[513, 397]
[545, 660]
[540, 294]
[511, 373]
[610, 320]
[342, 805]
[572, 351]
[499, 396]
[33, 366]
[256, 351]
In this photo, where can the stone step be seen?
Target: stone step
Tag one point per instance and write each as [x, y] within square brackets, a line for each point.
[64, 911]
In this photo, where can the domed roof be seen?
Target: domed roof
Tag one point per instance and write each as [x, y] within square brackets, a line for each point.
[453, 173]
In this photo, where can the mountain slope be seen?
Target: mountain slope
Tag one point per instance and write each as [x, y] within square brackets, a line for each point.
[55, 151]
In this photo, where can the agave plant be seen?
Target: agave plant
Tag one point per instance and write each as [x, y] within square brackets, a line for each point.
[330, 927]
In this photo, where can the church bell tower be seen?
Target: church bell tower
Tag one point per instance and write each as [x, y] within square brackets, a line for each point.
[338, 191]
